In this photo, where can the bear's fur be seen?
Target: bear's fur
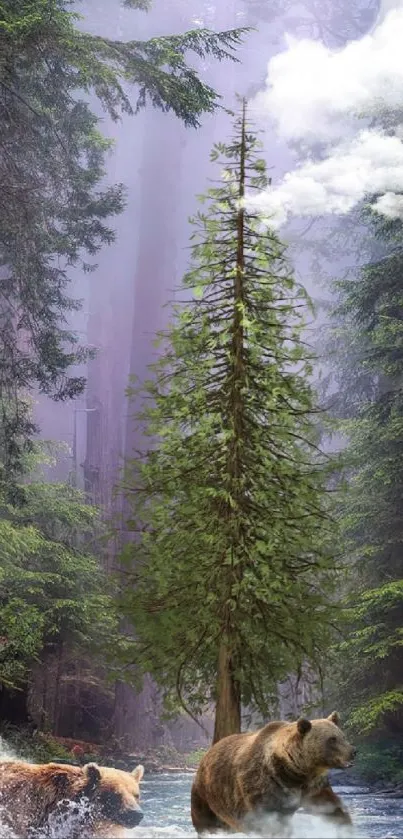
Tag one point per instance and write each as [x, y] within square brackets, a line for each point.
[31, 794]
[276, 770]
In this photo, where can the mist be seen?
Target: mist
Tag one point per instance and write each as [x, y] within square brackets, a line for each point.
[99, 591]
[164, 166]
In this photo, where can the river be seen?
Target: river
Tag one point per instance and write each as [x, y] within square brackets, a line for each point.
[166, 798]
[166, 806]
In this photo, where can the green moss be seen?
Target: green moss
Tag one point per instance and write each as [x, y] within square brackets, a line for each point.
[39, 749]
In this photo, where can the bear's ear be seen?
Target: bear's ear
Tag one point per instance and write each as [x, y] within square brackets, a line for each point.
[91, 770]
[138, 773]
[303, 726]
[334, 717]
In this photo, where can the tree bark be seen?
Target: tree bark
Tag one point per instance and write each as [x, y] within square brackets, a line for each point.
[228, 706]
[58, 677]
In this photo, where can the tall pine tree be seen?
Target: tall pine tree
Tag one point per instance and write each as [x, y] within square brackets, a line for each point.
[227, 573]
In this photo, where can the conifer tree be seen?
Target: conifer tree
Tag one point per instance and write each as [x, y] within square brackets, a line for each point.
[227, 571]
[55, 209]
[53, 591]
[366, 345]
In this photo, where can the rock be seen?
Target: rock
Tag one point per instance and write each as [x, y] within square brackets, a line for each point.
[394, 792]
[176, 769]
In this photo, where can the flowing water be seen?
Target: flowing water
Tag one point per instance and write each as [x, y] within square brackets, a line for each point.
[166, 800]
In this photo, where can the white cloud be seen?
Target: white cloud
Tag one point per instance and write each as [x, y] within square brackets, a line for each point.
[370, 163]
[317, 94]
[390, 205]
[311, 89]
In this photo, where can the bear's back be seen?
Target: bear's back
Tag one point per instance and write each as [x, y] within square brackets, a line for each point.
[236, 754]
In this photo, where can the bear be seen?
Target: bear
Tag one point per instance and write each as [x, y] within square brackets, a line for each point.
[275, 770]
[31, 794]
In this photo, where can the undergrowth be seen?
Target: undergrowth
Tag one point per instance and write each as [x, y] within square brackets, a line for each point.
[380, 762]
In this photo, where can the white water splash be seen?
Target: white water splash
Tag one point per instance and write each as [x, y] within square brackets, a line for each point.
[6, 752]
[66, 821]
[301, 826]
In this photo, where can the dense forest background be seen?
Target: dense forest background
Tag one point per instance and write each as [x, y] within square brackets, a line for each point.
[118, 194]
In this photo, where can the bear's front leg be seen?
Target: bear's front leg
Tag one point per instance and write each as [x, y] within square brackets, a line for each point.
[324, 802]
[203, 818]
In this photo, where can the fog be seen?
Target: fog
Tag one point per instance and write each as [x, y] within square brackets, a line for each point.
[290, 78]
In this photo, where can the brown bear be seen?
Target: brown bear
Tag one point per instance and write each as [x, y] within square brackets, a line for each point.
[275, 770]
[31, 794]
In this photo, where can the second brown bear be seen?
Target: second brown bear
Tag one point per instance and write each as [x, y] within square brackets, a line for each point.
[276, 770]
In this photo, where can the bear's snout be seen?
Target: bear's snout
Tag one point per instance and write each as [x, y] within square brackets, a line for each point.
[131, 818]
[351, 756]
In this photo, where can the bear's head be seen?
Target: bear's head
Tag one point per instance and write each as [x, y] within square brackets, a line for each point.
[115, 793]
[322, 744]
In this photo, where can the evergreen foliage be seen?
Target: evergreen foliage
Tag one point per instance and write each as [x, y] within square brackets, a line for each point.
[367, 351]
[227, 587]
[52, 588]
[54, 208]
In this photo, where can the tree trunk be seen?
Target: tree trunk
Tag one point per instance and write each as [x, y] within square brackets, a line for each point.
[58, 677]
[228, 706]
[43, 717]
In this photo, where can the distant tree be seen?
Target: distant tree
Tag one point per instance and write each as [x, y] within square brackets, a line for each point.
[226, 585]
[54, 208]
[53, 592]
[366, 346]
[332, 21]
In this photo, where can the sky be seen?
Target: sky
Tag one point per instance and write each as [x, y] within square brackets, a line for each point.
[316, 95]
